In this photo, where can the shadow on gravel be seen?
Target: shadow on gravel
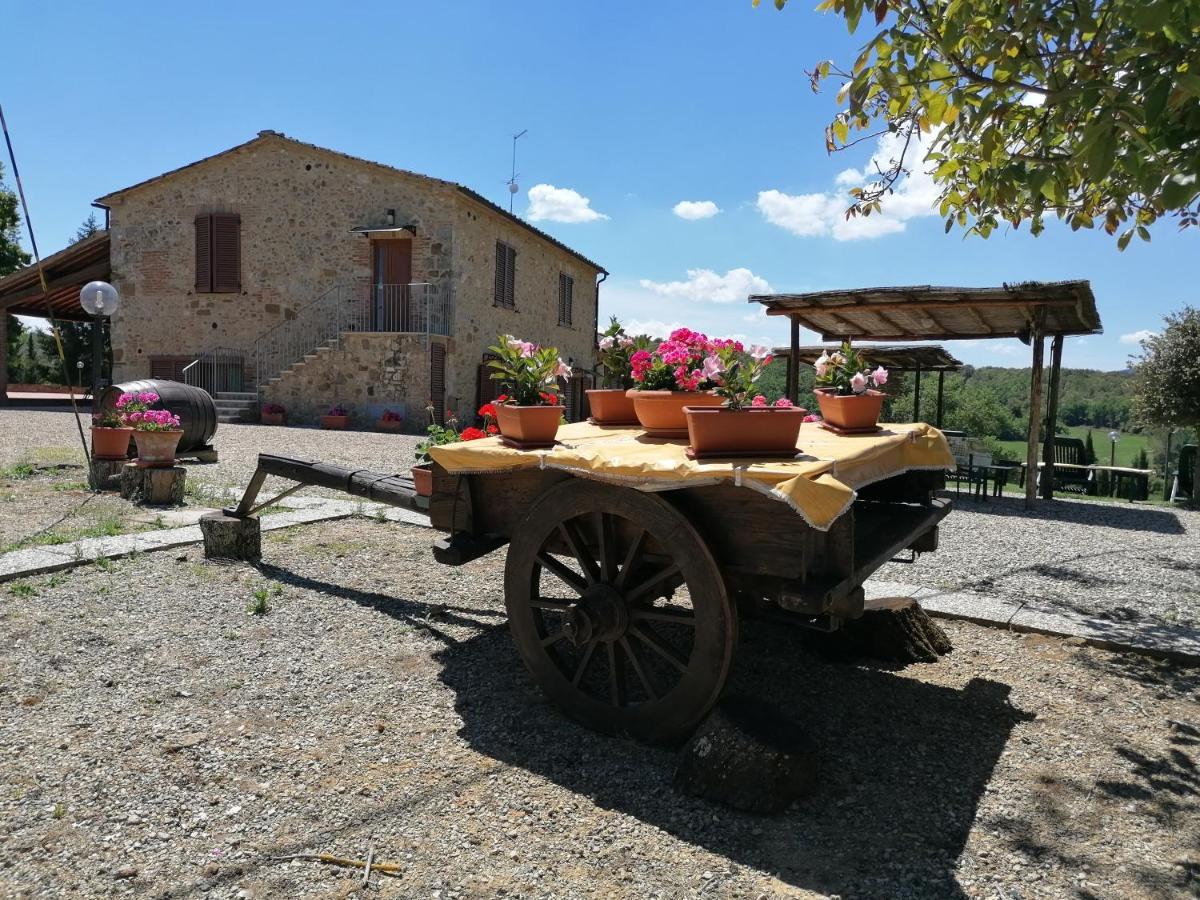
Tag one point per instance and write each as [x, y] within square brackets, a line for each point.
[903, 764]
[1082, 512]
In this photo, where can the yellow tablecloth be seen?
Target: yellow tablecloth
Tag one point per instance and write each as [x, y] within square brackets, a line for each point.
[819, 484]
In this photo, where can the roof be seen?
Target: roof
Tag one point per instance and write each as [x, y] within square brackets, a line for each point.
[66, 272]
[265, 136]
[927, 312]
[901, 357]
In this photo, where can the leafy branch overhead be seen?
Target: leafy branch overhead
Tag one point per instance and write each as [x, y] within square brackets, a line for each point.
[1088, 110]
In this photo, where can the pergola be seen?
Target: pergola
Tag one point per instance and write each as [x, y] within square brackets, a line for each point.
[66, 272]
[916, 358]
[1029, 311]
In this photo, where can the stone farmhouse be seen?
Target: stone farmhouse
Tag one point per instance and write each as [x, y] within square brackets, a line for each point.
[282, 272]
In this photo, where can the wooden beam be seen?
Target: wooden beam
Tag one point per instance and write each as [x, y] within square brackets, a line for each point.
[889, 322]
[851, 328]
[78, 277]
[1056, 347]
[921, 336]
[941, 325]
[979, 320]
[793, 373]
[1007, 302]
[1035, 420]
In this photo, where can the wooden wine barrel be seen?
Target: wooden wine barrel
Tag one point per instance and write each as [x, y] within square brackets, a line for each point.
[194, 406]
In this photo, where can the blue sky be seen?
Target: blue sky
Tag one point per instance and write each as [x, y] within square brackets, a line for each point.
[634, 106]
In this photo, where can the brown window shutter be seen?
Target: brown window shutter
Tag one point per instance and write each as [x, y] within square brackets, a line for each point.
[501, 277]
[226, 253]
[167, 368]
[488, 388]
[566, 298]
[203, 254]
[437, 381]
[510, 294]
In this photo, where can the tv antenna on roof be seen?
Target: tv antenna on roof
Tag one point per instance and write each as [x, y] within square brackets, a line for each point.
[513, 187]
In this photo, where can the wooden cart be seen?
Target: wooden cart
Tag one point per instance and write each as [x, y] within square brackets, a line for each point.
[623, 603]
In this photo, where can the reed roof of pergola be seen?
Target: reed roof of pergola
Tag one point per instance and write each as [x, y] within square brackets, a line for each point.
[928, 312]
[67, 271]
[898, 357]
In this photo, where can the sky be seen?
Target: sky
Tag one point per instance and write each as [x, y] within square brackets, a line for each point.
[677, 143]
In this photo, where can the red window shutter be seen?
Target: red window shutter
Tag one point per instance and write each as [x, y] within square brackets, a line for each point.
[203, 254]
[226, 253]
[437, 381]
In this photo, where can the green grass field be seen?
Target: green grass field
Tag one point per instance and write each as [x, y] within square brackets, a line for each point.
[1127, 447]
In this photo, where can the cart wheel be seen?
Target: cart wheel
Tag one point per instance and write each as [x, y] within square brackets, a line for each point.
[590, 585]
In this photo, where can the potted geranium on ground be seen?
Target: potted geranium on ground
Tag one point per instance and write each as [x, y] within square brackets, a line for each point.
[439, 435]
[611, 404]
[110, 439]
[746, 425]
[155, 431]
[670, 377]
[273, 414]
[528, 411]
[844, 379]
[390, 421]
[337, 419]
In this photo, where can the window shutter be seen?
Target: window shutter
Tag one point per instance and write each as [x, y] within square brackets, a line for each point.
[566, 298]
[510, 295]
[437, 381]
[226, 253]
[167, 368]
[203, 254]
[506, 268]
[487, 388]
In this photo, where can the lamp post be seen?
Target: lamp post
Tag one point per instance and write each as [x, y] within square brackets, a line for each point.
[100, 300]
[1113, 436]
[1167, 466]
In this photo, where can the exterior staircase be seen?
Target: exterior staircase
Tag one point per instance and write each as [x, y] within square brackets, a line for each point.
[236, 406]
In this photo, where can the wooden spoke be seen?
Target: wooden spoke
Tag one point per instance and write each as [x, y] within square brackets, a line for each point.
[583, 663]
[663, 614]
[616, 678]
[632, 557]
[648, 636]
[554, 638]
[638, 668]
[553, 604]
[574, 539]
[607, 543]
[653, 581]
[565, 574]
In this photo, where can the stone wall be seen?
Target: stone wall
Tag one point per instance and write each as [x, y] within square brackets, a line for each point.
[366, 373]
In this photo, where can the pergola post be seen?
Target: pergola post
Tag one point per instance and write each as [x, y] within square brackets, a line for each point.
[941, 386]
[3, 358]
[917, 396]
[1035, 419]
[793, 372]
[1056, 347]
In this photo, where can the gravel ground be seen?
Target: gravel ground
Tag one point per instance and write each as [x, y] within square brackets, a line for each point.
[166, 743]
[1116, 560]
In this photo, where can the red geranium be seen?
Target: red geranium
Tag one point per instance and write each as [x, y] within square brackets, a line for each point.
[488, 411]
[471, 434]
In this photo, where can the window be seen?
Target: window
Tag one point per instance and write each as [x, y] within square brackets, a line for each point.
[566, 298]
[506, 275]
[218, 253]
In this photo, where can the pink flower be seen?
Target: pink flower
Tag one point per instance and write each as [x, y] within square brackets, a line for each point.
[783, 403]
[880, 376]
[758, 351]
[688, 381]
[858, 383]
[759, 401]
[713, 368]
[562, 370]
[812, 417]
[607, 342]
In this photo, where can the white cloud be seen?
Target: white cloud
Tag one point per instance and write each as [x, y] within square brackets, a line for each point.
[653, 327]
[554, 204]
[1136, 337]
[695, 209]
[705, 284]
[824, 214]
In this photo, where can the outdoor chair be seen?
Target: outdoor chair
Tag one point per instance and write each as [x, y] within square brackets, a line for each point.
[973, 468]
[1071, 452]
[1184, 486]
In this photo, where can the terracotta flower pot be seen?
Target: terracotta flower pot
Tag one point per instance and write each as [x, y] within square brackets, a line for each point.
[110, 443]
[765, 431]
[335, 423]
[534, 426]
[156, 449]
[423, 480]
[392, 426]
[611, 407]
[274, 418]
[854, 412]
[661, 412]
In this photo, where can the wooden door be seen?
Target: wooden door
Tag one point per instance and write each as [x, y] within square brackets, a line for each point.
[392, 272]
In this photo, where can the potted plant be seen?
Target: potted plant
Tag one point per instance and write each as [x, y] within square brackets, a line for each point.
[611, 404]
[439, 435]
[746, 425]
[273, 414]
[155, 431]
[670, 377]
[390, 421]
[528, 412]
[848, 404]
[337, 419]
[110, 439]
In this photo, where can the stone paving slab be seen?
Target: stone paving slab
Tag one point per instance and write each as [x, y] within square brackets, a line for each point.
[43, 560]
[1178, 642]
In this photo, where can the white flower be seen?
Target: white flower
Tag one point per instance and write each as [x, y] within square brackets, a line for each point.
[607, 342]
[858, 383]
[758, 351]
[562, 370]
[879, 376]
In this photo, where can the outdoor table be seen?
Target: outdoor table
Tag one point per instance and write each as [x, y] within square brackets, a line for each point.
[1119, 474]
[999, 473]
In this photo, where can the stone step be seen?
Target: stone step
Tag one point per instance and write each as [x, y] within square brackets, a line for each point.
[236, 395]
[233, 405]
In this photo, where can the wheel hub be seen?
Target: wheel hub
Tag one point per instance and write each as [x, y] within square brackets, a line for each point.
[600, 614]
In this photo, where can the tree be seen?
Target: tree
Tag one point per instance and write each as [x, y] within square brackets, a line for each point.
[1166, 376]
[1089, 449]
[86, 230]
[1086, 109]
[12, 257]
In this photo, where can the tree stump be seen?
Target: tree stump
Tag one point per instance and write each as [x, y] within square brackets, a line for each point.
[894, 629]
[228, 537]
[157, 487]
[105, 474]
[748, 756]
